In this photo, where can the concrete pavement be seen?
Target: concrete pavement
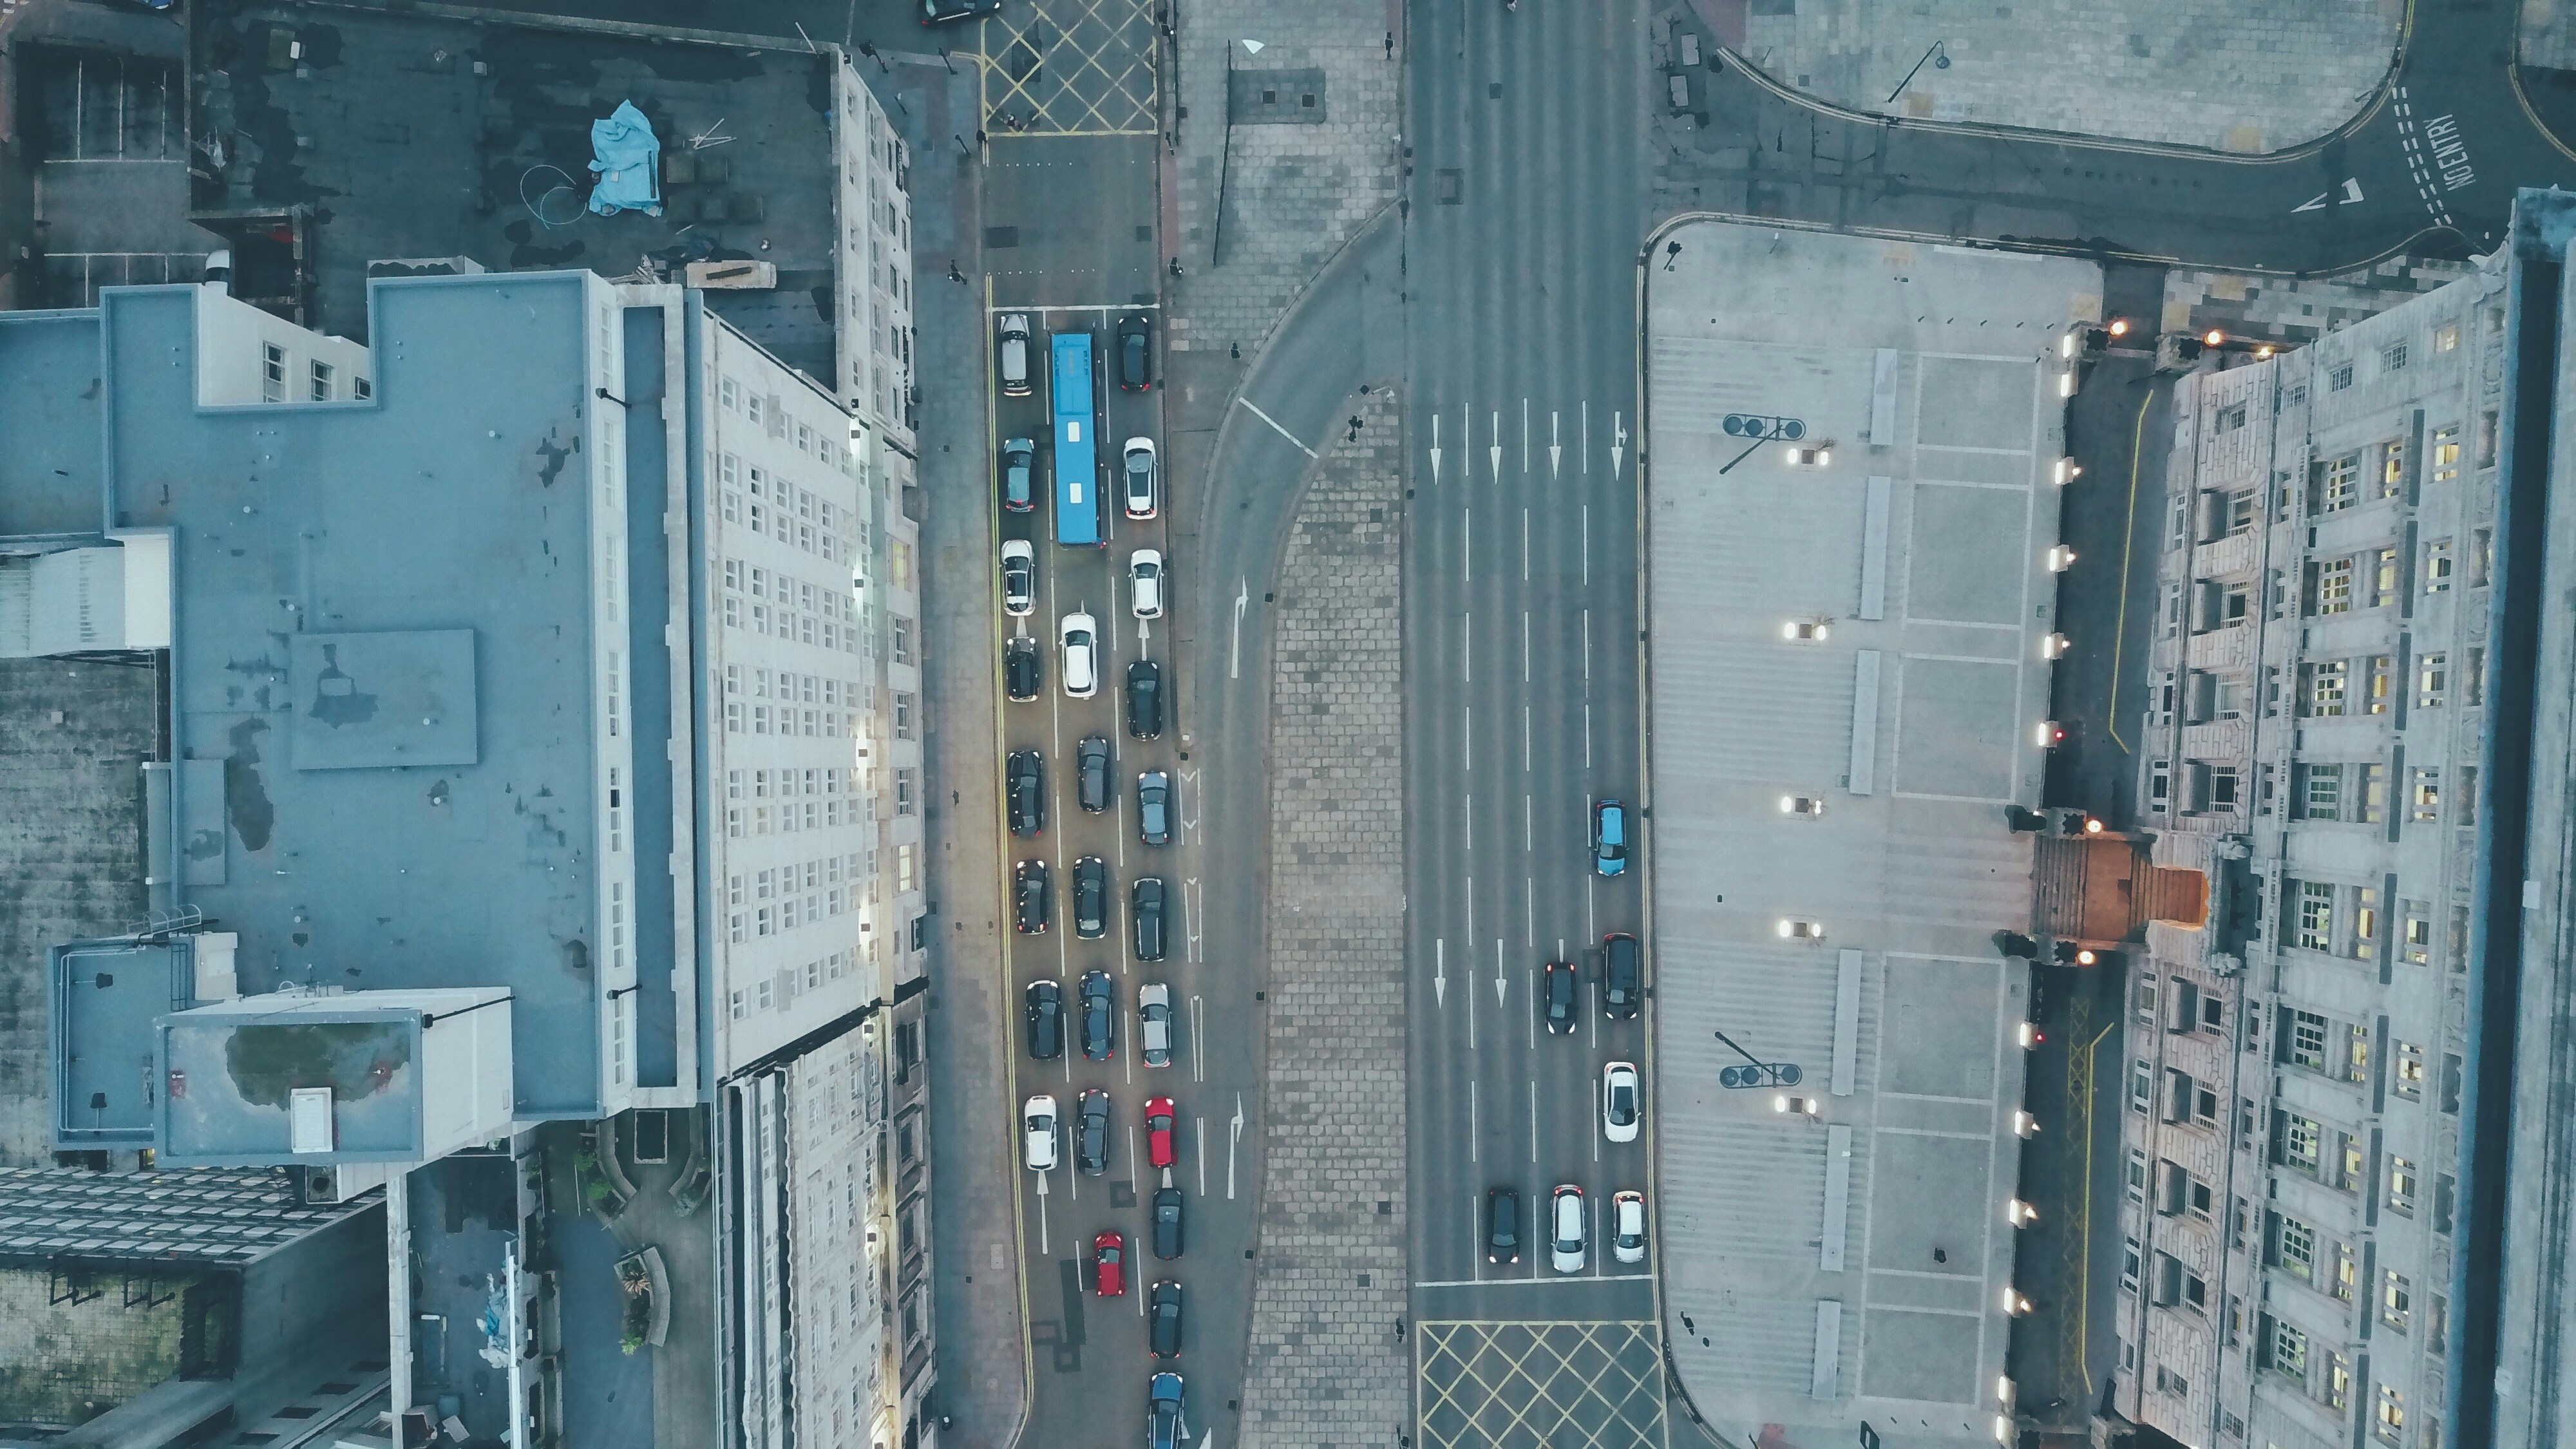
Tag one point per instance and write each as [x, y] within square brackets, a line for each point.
[1327, 1362]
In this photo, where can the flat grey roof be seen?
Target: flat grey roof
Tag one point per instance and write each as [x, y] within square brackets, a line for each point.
[105, 997]
[436, 537]
[1838, 1264]
[49, 388]
[231, 1075]
[413, 154]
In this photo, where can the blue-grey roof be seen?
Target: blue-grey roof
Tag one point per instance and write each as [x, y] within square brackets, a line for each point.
[49, 393]
[381, 634]
[105, 997]
[230, 1075]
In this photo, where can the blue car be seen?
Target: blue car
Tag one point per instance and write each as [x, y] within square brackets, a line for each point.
[1610, 837]
[1166, 1423]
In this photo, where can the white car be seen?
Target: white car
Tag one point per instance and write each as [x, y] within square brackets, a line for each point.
[1154, 1022]
[1623, 1102]
[1138, 455]
[1628, 1226]
[1145, 582]
[1081, 638]
[1568, 1227]
[1038, 1131]
[1019, 577]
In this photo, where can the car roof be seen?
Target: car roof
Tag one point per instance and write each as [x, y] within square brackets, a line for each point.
[1018, 548]
[1139, 445]
[1155, 991]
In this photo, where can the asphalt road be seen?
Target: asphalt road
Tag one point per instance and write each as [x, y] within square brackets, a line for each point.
[1525, 204]
[2432, 164]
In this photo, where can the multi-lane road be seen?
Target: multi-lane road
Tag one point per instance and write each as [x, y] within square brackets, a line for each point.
[1521, 638]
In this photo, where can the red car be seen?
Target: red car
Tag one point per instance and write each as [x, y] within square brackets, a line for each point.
[1158, 1131]
[1109, 1261]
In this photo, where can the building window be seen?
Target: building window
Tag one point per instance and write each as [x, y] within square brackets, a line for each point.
[2432, 678]
[2473, 678]
[2392, 358]
[2295, 1249]
[2319, 792]
[902, 869]
[2307, 1045]
[2316, 915]
[729, 394]
[2335, 485]
[272, 372]
[2231, 418]
[325, 380]
[2424, 794]
[2481, 557]
[2437, 566]
[2142, 1086]
[2446, 337]
[903, 716]
[2391, 1414]
[2365, 923]
[2285, 1350]
[902, 640]
[2159, 784]
[739, 1010]
[2330, 586]
[2383, 577]
[2383, 682]
[2321, 688]
[2338, 1381]
[2446, 454]
[2131, 1264]
[2401, 1185]
[2241, 507]
[2339, 378]
[2300, 1137]
[2223, 788]
[903, 791]
[2137, 1176]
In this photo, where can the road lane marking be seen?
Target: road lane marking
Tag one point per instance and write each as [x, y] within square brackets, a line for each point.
[1525, 739]
[1585, 452]
[1274, 423]
[1500, 981]
[1529, 927]
[1190, 915]
[1435, 449]
[1525, 646]
[1587, 646]
[1474, 1152]
[1529, 824]
[1234, 653]
[1469, 803]
[1467, 737]
[1525, 537]
[1587, 580]
[1203, 1157]
[1467, 545]
[1440, 973]
[1234, 1135]
[1529, 1282]
[1618, 442]
[1533, 1086]
[1525, 451]
[1494, 450]
[1467, 646]
[1533, 1008]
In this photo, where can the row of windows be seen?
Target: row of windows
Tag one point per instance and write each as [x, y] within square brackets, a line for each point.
[801, 613]
[784, 987]
[790, 816]
[2284, 1350]
[2337, 688]
[763, 412]
[773, 902]
[321, 379]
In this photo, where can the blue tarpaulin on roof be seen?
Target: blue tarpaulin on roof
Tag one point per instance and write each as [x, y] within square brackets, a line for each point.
[629, 163]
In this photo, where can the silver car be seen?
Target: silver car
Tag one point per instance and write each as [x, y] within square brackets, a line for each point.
[1154, 1022]
[1139, 474]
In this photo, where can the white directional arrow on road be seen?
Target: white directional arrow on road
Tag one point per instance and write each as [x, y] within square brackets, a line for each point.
[1234, 655]
[1234, 1135]
[1440, 972]
[1618, 442]
[1435, 450]
[1555, 453]
[1500, 981]
[1494, 454]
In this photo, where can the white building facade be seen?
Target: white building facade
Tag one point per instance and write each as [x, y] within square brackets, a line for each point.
[2295, 1072]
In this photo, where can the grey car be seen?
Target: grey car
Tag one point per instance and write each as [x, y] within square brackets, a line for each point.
[1154, 807]
[1091, 898]
[1091, 772]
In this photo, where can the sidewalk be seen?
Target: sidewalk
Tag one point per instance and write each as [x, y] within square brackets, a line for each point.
[1326, 1365]
[2247, 76]
[976, 1303]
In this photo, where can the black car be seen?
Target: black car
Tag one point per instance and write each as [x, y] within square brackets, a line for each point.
[1091, 898]
[1091, 1133]
[1623, 976]
[1562, 998]
[1167, 1223]
[1163, 1319]
[1154, 807]
[1019, 475]
[1046, 1020]
[934, 12]
[1091, 772]
[1145, 700]
[1146, 902]
[1023, 675]
[1099, 1016]
[1135, 352]
[1503, 1225]
[1028, 792]
[1031, 881]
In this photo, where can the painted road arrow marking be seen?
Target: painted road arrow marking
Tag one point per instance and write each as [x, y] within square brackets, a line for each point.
[2351, 194]
[1618, 441]
[1435, 450]
[1234, 1134]
[1500, 980]
[1555, 453]
[1440, 972]
[1494, 454]
[1234, 654]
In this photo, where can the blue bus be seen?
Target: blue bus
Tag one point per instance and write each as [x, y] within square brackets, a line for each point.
[1077, 465]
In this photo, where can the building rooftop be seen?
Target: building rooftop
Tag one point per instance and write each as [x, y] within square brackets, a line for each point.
[1863, 634]
[421, 136]
[381, 657]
